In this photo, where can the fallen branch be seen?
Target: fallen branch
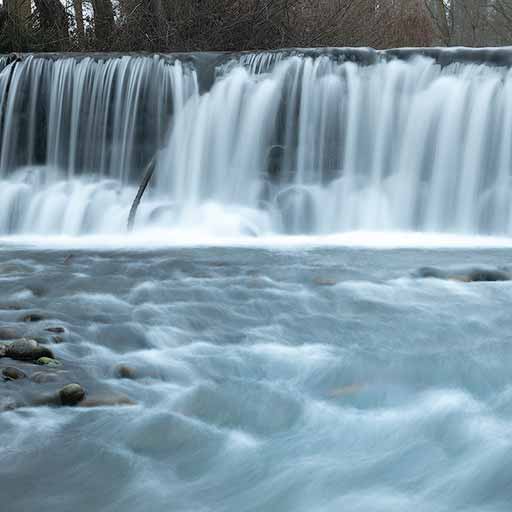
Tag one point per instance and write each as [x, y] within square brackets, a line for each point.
[148, 173]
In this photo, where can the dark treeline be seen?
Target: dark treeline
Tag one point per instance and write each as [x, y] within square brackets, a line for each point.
[194, 25]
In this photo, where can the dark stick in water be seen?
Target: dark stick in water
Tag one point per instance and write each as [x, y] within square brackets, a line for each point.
[148, 172]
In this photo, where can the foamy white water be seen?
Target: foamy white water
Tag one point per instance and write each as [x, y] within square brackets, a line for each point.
[276, 144]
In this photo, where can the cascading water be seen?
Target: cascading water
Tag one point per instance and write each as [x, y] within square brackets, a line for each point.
[213, 372]
[276, 143]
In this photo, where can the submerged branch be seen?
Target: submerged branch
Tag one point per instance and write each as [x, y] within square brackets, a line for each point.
[148, 173]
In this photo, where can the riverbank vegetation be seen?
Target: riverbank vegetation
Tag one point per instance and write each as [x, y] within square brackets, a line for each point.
[202, 25]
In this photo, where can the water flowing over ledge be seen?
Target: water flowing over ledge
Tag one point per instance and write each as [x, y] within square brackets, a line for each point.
[302, 142]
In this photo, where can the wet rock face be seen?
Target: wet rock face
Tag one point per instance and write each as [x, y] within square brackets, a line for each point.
[27, 350]
[72, 394]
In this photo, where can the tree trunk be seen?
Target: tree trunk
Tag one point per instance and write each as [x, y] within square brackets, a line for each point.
[79, 18]
[103, 20]
[53, 22]
[19, 8]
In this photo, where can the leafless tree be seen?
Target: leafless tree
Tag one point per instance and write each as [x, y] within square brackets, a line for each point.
[103, 22]
[188, 25]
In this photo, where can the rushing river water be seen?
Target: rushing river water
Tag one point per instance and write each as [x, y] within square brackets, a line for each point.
[268, 379]
[264, 341]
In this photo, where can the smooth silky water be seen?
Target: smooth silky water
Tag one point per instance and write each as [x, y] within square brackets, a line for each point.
[290, 357]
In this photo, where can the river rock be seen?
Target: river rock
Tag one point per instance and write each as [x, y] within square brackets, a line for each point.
[12, 373]
[56, 330]
[48, 361]
[71, 394]
[32, 317]
[474, 275]
[27, 350]
[44, 377]
[489, 275]
[124, 371]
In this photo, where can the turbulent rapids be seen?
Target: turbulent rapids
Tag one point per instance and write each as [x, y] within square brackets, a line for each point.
[255, 144]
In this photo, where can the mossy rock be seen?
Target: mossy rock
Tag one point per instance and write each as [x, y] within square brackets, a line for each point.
[48, 361]
[71, 394]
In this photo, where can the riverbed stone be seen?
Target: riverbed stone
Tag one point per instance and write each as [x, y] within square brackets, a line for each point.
[56, 330]
[475, 275]
[12, 373]
[27, 350]
[71, 394]
[48, 361]
[44, 377]
[123, 371]
[32, 317]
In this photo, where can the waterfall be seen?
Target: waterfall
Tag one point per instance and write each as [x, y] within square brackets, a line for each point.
[285, 142]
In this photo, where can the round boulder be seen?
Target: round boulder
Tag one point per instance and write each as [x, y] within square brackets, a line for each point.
[71, 394]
